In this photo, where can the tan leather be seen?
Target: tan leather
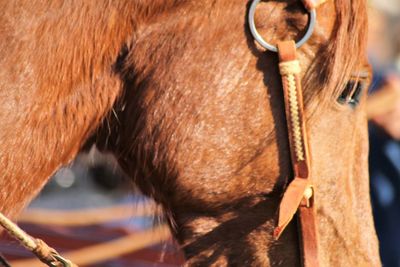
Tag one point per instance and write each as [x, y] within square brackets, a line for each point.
[293, 199]
[312, 4]
[290, 203]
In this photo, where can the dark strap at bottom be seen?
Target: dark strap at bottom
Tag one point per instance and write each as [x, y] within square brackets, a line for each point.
[4, 262]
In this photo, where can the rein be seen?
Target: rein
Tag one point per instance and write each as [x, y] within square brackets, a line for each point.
[43, 252]
[299, 195]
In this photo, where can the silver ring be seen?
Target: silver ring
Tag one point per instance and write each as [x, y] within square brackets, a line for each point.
[266, 45]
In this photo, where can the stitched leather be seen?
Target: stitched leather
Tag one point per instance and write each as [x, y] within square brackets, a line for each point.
[287, 53]
[293, 199]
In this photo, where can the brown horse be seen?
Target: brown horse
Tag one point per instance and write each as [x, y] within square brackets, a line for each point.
[193, 111]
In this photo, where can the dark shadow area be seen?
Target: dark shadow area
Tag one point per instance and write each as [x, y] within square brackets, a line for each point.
[235, 234]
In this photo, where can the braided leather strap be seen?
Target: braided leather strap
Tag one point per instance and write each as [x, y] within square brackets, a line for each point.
[300, 192]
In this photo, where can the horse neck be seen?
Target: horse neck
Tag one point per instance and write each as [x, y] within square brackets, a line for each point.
[65, 55]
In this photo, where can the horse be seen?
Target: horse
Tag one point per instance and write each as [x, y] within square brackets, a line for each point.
[192, 109]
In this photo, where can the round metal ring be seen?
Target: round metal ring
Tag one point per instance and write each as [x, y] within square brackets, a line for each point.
[266, 45]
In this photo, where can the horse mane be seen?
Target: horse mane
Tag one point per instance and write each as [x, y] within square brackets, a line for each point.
[342, 55]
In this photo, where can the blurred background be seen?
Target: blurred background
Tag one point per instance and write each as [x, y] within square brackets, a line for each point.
[384, 126]
[91, 202]
[91, 213]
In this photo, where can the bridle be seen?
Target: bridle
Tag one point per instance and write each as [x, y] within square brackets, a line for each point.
[299, 194]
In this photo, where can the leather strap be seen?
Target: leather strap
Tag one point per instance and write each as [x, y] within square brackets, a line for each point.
[290, 72]
[312, 4]
[308, 235]
[4, 262]
[299, 194]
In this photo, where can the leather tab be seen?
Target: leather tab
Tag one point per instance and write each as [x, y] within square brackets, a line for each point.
[312, 4]
[290, 203]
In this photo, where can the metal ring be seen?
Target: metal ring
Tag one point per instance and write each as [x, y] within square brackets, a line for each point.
[64, 262]
[266, 45]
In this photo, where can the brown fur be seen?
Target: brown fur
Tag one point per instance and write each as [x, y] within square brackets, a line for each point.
[193, 111]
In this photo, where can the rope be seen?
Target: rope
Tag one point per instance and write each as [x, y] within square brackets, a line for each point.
[288, 68]
[92, 254]
[288, 71]
[16, 232]
[45, 253]
[106, 251]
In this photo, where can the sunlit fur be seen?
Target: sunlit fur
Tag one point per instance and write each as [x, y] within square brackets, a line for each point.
[193, 110]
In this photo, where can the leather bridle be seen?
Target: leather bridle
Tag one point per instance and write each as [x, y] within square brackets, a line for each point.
[299, 195]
